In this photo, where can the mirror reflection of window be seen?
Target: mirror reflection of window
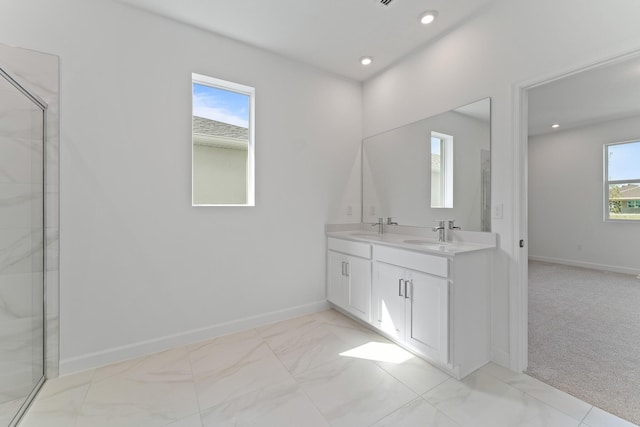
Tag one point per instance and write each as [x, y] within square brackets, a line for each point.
[222, 143]
[441, 170]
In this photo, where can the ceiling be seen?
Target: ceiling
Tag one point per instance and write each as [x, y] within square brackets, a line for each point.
[329, 34]
[600, 94]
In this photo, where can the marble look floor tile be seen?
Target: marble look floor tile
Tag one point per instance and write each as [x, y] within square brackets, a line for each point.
[58, 385]
[59, 409]
[283, 405]
[163, 361]
[191, 421]
[333, 316]
[553, 397]
[288, 327]
[599, 418]
[346, 329]
[416, 374]
[8, 410]
[153, 391]
[354, 392]
[234, 365]
[292, 373]
[305, 347]
[418, 413]
[481, 400]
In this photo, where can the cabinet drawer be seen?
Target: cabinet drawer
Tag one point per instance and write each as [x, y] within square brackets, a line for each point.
[436, 265]
[362, 250]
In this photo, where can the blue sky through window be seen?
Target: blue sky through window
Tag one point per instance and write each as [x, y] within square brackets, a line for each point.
[221, 105]
[624, 161]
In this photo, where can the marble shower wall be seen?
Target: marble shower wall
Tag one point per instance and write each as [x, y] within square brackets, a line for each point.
[21, 228]
[39, 74]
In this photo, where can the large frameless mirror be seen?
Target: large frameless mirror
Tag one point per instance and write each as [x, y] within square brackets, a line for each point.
[432, 169]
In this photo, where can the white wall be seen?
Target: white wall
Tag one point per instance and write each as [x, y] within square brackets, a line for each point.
[566, 200]
[139, 266]
[512, 41]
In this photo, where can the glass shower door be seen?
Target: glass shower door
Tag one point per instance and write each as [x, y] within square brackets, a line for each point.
[21, 247]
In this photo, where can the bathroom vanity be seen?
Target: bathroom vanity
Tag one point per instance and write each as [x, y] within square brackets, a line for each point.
[430, 297]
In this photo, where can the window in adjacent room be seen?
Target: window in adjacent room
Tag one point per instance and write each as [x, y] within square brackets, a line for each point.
[222, 143]
[441, 170]
[622, 181]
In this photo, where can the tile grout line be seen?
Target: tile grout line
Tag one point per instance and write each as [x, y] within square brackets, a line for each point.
[84, 399]
[195, 386]
[409, 387]
[548, 385]
[298, 385]
[585, 417]
[538, 399]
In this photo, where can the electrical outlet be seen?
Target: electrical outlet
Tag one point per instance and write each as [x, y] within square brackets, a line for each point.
[497, 211]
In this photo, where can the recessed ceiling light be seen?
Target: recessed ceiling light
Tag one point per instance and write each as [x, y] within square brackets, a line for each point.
[366, 60]
[428, 17]
[555, 125]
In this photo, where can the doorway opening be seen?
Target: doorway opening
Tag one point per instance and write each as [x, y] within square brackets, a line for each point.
[578, 272]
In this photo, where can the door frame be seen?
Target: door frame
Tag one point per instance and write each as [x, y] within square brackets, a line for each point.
[519, 281]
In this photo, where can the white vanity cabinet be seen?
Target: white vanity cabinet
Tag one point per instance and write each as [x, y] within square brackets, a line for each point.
[432, 299]
[411, 296]
[435, 305]
[349, 276]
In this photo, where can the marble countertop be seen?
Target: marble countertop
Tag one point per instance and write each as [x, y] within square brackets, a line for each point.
[410, 242]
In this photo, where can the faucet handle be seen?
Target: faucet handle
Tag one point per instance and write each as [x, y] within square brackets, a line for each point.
[390, 221]
[452, 225]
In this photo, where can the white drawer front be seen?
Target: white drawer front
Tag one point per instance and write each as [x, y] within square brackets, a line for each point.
[436, 265]
[350, 247]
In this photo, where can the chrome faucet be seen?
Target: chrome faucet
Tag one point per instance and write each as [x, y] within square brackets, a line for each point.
[452, 226]
[380, 225]
[390, 221]
[441, 229]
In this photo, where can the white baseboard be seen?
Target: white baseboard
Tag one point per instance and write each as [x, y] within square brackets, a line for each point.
[105, 357]
[591, 265]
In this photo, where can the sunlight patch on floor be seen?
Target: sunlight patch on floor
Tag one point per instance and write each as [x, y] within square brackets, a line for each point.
[380, 352]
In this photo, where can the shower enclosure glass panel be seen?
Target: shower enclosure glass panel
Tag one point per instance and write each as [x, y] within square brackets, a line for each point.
[21, 247]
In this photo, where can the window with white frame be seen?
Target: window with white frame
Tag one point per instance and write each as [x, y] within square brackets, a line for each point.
[622, 181]
[441, 170]
[222, 142]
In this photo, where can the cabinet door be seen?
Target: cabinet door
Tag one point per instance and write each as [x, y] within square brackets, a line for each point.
[359, 287]
[390, 304]
[428, 315]
[335, 276]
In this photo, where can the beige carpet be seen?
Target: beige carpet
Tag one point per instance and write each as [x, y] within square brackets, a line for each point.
[584, 335]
